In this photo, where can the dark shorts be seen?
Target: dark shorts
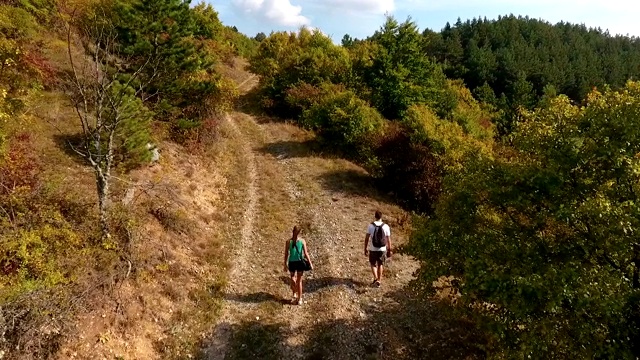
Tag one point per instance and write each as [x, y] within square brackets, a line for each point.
[296, 266]
[377, 257]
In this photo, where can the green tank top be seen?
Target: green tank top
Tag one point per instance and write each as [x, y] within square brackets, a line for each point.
[295, 252]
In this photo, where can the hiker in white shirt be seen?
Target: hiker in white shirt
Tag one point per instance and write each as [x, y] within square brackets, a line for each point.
[379, 248]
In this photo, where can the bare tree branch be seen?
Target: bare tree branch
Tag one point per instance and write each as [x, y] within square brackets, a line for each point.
[100, 103]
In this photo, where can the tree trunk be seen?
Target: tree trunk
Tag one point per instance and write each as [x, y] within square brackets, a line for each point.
[103, 194]
[636, 267]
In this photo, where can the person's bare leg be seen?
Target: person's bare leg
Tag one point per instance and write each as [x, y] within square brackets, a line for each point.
[299, 283]
[380, 267]
[374, 270]
[294, 291]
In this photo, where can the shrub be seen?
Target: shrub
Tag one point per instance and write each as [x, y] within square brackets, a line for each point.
[19, 73]
[36, 237]
[448, 140]
[347, 123]
[546, 233]
[410, 170]
[285, 60]
[469, 114]
[417, 152]
[303, 96]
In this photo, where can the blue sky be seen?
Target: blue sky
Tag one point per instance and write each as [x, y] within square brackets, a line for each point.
[360, 18]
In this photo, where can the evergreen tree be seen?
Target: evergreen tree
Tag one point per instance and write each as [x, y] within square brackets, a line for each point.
[504, 52]
[400, 75]
[157, 36]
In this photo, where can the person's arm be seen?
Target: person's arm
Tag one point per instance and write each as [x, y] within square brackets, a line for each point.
[388, 245]
[306, 253]
[388, 236]
[366, 244]
[286, 255]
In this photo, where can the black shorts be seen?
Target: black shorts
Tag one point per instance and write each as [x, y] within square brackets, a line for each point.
[296, 266]
[377, 257]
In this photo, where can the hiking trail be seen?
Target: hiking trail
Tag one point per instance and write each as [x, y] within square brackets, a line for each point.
[342, 316]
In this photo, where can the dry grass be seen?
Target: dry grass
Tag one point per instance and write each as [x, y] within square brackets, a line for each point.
[161, 292]
[155, 295]
[235, 71]
[44, 316]
[154, 289]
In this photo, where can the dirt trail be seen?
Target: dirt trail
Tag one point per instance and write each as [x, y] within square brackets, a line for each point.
[334, 201]
[241, 265]
[342, 317]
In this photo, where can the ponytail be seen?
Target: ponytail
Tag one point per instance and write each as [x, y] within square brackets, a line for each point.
[296, 231]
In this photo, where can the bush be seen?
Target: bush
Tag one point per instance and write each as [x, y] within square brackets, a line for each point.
[410, 170]
[469, 114]
[20, 72]
[417, 152]
[448, 140]
[303, 96]
[285, 60]
[36, 236]
[543, 237]
[46, 256]
[347, 123]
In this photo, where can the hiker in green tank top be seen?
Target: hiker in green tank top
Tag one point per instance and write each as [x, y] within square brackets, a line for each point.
[295, 254]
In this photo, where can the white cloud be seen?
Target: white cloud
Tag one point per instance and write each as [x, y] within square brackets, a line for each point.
[361, 6]
[279, 12]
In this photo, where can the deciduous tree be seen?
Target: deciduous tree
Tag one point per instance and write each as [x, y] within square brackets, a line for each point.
[543, 237]
[110, 112]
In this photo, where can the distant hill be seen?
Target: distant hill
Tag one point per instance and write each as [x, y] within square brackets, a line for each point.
[520, 57]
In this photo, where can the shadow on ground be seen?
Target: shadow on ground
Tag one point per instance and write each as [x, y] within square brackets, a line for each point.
[400, 326]
[352, 181]
[256, 298]
[252, 339]
[250, 103]
[355, 182]
[67, 143]
[292, 149]
[312, 284]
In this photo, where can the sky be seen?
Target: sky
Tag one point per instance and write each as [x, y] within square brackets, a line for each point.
[361, 18]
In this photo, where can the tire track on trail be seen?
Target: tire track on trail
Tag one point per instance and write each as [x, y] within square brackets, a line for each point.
[247, 232]
[335, 287]
[241, 86]
[333, 290]
[240, 268]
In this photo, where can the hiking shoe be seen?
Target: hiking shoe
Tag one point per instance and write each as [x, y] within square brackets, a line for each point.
[376, 283]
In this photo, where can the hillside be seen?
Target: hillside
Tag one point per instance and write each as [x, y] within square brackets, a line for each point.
[520, 61]
[177, 275]
[154, 160]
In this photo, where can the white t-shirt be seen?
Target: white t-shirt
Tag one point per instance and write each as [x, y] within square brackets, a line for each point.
[387, 232]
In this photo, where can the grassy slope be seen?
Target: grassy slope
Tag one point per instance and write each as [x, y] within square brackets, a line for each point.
[156, 294]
